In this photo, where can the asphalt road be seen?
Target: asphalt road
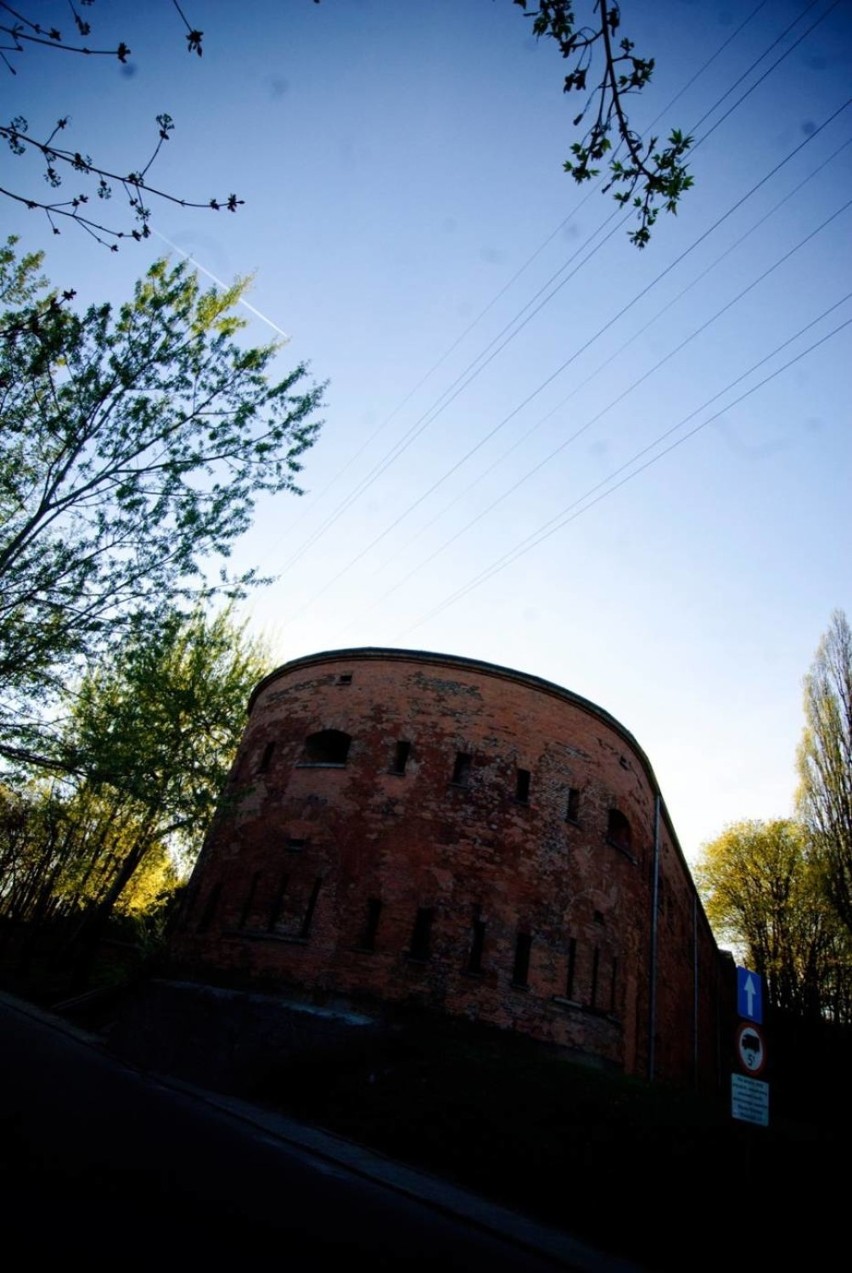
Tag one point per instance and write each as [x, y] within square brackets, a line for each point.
[103, 1162]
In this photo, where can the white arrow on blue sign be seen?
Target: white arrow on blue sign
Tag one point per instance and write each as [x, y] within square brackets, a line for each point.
[750, 995]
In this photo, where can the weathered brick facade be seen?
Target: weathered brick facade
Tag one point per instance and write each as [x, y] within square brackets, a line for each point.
[411, 827]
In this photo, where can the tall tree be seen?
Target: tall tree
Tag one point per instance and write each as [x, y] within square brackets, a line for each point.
[133, 449]
[825, 760]
[765, 894]
[152, 734]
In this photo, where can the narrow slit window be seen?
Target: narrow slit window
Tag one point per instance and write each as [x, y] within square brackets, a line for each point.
[572, 968]
[371, 927]
[618, 830]
[477, 942]
[401, 755]
[278, 902]
[461, 769]
[572, 811]
[266, 758]
[249, 902]
[210, 908]
[521, 970]
[421, 936]
[522, 786]
[345, 678]
[311, 907]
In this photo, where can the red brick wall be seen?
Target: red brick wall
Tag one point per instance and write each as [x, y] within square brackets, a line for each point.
[302, 851]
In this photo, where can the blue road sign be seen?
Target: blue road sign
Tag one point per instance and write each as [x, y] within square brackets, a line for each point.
[750, 995]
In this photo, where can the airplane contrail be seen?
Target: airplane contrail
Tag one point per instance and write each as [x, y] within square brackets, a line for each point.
[187, 257]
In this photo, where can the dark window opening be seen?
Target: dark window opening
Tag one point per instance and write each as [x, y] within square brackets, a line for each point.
[367, 940]
[572, 812]
[618, 830]
[477, 942]
[345, 678]
[522, 785]
[278, 902]
[521, 970]
[572, 968]
[295, 843]
[266, 758]
[328, 747]
[400, 759]
[312, 905]
[596, 963]
[249, 902]
[599, 919]
[210, 908]
[461, 769]
[421, 934]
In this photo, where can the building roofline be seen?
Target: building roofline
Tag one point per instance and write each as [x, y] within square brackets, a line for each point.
[371, 653]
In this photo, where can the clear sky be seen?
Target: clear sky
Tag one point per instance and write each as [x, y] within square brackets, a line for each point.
[627, 472]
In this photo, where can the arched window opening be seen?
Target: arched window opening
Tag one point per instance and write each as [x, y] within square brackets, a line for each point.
[327, 747]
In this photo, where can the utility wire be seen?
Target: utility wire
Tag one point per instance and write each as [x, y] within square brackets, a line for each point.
[576, 354]
[582, 384]
[572, 512]
[471, 372]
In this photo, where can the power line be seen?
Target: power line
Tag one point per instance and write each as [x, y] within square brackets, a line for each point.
[572, 512]
[576, 354]
[472, 371]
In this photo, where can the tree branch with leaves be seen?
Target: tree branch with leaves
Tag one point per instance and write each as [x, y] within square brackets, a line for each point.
[59, 163]
[134, 448]
[643, 175]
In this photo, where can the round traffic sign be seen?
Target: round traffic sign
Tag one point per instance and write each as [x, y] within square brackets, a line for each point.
[751, 1049]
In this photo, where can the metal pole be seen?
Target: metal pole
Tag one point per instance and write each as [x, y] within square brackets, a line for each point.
[652, 988]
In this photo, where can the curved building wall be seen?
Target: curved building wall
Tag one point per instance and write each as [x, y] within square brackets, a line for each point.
[411, 827]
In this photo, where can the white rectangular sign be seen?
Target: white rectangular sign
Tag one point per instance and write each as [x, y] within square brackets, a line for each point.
[750, 1100]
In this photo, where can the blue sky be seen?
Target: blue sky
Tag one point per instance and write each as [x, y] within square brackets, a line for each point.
[542, 447]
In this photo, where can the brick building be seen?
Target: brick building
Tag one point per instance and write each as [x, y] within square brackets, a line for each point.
[408, 827]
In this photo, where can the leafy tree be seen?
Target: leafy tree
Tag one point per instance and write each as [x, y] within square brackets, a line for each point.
[764, 892]
[24, 34]
[825, 760]
[134, 447]
[146, 753]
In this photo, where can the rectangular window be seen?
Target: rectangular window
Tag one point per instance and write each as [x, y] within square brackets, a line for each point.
[367, 940]
[572, 968]
[572, 812]
[421, 935]
[311, 907]
[477, 942]
[278, 902]
[345, 678]
[266, 758]
[210, 908]
[249, 902]
[400, 760]
[461, 769]
[521, 970]
[522, 786]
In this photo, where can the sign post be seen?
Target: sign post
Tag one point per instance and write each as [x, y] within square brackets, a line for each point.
[749, 1094]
